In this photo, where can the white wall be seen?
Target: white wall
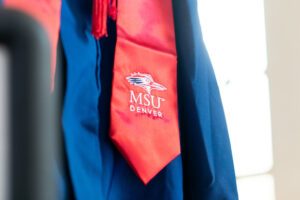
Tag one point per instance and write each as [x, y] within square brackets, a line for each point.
[283, 41]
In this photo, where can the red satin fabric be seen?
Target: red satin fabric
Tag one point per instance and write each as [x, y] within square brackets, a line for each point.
[144, 81]
[46, 12]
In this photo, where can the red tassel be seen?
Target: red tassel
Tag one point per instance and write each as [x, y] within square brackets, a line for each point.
[99, 18]
[113, 10]
[101, 10]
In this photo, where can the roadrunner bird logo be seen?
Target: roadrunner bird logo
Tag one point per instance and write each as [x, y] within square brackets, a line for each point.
[144, 81]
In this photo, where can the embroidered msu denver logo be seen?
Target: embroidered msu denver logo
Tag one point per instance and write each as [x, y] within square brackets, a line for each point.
[145, 103]
[145, 81]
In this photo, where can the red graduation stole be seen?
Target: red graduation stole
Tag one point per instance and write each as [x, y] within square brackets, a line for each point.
[47, 13]
[144, 114]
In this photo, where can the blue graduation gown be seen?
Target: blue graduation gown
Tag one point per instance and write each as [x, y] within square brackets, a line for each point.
[206, 154]
[98, 171]
[204, 170]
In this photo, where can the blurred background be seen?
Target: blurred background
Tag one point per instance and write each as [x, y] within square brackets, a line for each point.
[254, 46]
[3, 122]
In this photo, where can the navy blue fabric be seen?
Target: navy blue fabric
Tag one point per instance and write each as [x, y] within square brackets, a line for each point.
[98, 171]
[207, 160]
[80, 115]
